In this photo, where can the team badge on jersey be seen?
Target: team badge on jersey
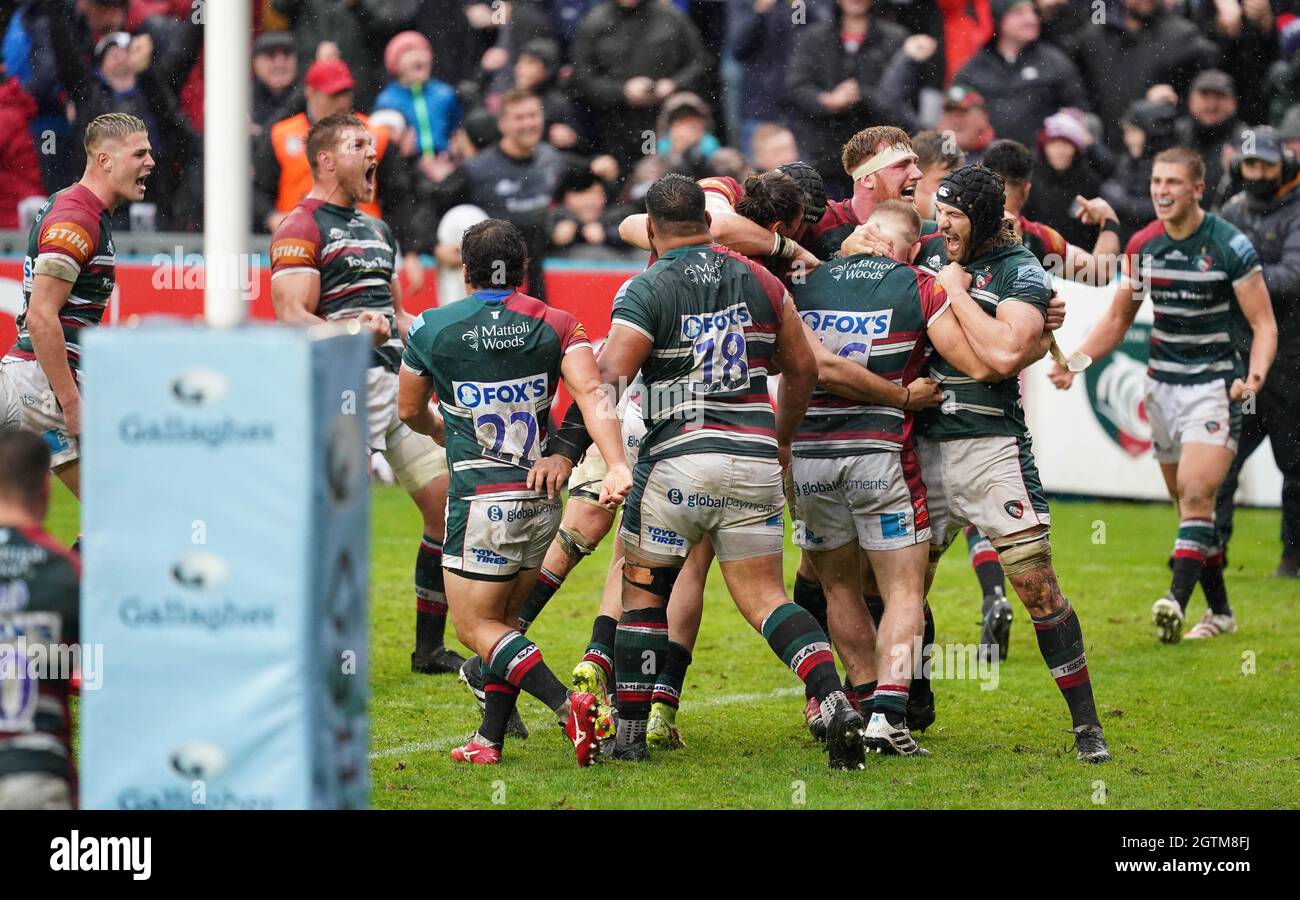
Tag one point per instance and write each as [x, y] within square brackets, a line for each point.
[1014, 508]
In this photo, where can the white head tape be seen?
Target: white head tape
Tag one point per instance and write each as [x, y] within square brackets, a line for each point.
[883, 160]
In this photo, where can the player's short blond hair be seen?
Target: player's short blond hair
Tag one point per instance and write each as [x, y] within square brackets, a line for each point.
[111, 126]
[1186, 157]
[863, 145]
[902, 214]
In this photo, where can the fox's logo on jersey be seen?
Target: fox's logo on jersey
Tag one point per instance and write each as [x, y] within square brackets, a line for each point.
[874, 323]
[695, 326]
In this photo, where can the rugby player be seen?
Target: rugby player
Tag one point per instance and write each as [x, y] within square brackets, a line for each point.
[976, 456]
[68, 275]
[495, 360]
[39, 616]
[703, 326]
[330, 261]
[1195, 265]
[856, 485]
[1013, 161]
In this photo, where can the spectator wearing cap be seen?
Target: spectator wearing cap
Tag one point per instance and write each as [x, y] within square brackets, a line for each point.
[276, 93]
[536, 69]
[1022, 79]
[282, 173]
[1067, 166]
[1211, 125]
[353, 31]
[1242, 30]
[428, 106]
[1137, 45]
[1148, 128]
[966, 116]
[833, 82]
[686, 136]
[121, 79]
[629, 56]
[1268, 212]
[1282, 81]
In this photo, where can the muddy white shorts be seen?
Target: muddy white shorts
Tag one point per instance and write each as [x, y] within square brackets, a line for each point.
[865, 497]
[993, 484]
[737, 501]
[1191, 414]
[416, 459]
[40, 412]
[493, 537]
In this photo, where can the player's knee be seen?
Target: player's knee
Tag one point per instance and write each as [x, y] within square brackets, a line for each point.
[655, 580]
[1024, 555]
[575, 543]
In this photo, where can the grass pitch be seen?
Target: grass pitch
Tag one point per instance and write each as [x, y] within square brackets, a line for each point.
[1209, 724]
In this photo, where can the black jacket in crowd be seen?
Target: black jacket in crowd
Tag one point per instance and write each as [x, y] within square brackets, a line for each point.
[819, 63]
[1274, 228]
[1118, 66]
[1020, 94]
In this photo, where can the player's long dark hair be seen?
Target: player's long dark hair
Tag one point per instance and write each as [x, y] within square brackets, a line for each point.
[771, 197]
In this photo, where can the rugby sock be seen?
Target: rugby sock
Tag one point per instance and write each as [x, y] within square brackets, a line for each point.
[640, 654]
[891, 699]
[501, 698]
[984, 560]
[866, 694]
[668, 686]
[547, 584]
[517, 660]
[808, 593]
[1060, 640]
[430, 596]
[1216, 592]
[922, 692]
[601, 648]
[810, 596]
[1195, 538]
[793, 635]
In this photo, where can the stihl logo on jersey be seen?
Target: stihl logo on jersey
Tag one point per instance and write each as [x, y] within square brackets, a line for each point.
[72, 237]
[870, 323]
[283, 251]
[701, 325]
[472, 394]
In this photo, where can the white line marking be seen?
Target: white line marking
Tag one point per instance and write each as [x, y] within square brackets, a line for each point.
[446, 743]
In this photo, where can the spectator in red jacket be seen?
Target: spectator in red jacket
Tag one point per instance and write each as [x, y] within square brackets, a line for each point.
[20, 167]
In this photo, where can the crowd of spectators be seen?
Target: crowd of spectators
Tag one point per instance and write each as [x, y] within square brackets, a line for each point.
[557, 114]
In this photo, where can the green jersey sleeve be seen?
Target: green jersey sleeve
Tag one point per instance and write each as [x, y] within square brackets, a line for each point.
[633, 307]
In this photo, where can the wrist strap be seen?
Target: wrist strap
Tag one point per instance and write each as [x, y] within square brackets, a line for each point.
[1110, 225]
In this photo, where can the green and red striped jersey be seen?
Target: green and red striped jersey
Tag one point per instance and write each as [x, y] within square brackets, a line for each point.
[494, 359]
[72, 240]
[1043, 241]
[977, 408]
[354, 255]
[1192, 284]
[712, 316]
[873, 311]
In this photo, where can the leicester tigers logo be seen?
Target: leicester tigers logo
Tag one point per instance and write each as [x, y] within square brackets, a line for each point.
[1014, 508]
